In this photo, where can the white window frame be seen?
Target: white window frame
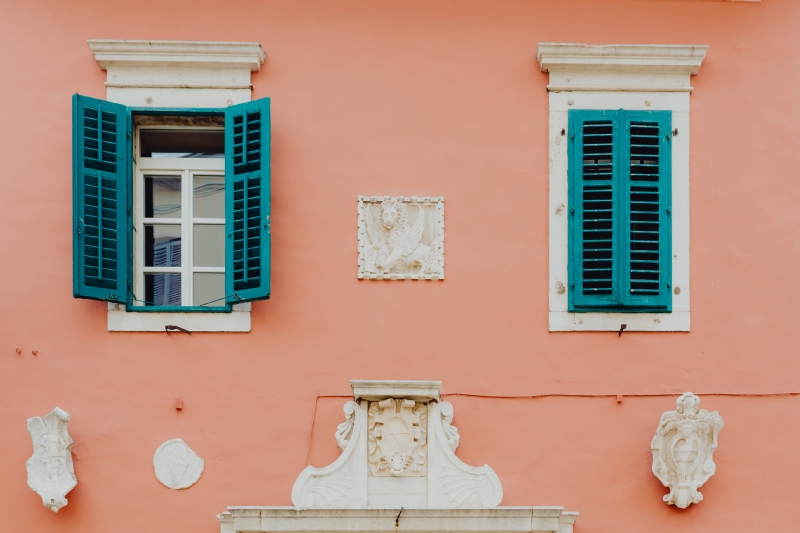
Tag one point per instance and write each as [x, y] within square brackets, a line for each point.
[178, 74]
[186, 169]
[632, 77]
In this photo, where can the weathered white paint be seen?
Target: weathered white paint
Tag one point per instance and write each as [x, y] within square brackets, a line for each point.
[614, 77]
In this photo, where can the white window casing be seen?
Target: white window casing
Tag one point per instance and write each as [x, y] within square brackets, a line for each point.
[632, 77]
[178, 74]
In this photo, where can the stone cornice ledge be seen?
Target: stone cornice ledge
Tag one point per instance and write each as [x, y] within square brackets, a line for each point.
[109, 52]
[620, 67]
[463, 520]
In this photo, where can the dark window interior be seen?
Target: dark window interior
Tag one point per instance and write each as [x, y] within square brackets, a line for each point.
[181, 143]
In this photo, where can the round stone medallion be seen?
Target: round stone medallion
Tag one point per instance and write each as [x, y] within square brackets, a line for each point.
[176, 465]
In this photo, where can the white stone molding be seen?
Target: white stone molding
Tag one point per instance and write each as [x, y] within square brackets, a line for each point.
[397, 451]
[176, 465]
[620, 67]
[683, 449]
[168, 73]
[237, 321]
[391, 520]
[401, 237]
[633, 77]
[50, 470]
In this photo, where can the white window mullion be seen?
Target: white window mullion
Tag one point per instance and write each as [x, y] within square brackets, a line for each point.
[186, 239]
[138, 247]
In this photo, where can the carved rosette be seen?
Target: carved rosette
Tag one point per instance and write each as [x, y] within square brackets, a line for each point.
[397, 438]
[50, 470]
[683, 449]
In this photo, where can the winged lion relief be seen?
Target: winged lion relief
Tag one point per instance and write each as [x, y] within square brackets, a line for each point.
[401, 237]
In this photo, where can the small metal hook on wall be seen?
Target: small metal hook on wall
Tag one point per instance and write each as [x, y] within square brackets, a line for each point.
[622, 328]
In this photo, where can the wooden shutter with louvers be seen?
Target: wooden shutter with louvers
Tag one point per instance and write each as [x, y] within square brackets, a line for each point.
[101, 169]
[594, 209]
[620, 237]
[647, 222]
[247, 197]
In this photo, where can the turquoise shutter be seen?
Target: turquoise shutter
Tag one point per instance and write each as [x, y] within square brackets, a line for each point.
[247, 201]
[647, 218]
[594, 209]
[100, 171]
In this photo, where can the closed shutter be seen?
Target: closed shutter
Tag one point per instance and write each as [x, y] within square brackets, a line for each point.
[647, 221]
[101, 167]
[594, 208]
[620, 237]
[247, 197]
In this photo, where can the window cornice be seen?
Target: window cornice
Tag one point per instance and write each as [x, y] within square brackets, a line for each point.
[618, 67]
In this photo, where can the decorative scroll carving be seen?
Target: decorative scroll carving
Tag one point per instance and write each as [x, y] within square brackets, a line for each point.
[400, 237]
[451, 482]
[50, 470]
[338, 484]
[682, 450]
[176, 465]
[397, 438]
[400, 450]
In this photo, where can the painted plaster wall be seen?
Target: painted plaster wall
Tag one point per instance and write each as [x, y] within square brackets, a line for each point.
[429, 98]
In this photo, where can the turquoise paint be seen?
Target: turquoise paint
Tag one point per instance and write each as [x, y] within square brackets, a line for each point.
[596, 284]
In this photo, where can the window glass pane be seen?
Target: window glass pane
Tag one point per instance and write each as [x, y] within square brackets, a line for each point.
[162, 289]
[209, 196]
[162, 245]
[162, 197]
[209, 288]
[209, 245]
[181, 143]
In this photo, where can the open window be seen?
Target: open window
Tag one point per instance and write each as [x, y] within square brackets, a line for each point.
[171, 207]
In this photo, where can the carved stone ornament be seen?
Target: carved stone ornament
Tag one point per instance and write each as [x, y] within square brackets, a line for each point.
[397, 450]
[50, 470]
[397, 437]
[682, 450]
[401, 237]
[177, 466]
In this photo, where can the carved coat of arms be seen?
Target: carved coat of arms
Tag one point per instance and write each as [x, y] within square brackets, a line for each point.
[682, 450]
[401, 238]
[50, 470]
[397, 432]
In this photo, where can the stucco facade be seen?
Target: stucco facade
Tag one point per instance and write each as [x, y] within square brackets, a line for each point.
[428, 99]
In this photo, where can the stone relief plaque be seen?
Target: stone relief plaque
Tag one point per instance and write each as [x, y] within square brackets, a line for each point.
[50, 470]
[401, 237]
[176, 465]
[682, 450]
[396, 433]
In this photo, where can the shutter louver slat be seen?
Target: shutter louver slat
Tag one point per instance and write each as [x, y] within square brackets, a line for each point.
[100, 181]
[247, 193]
[645, 234]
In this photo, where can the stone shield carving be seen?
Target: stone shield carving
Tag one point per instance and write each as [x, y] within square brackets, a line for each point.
[397, 438]
[400, 237]
[176, 465]
[50, 470]
[683, 447]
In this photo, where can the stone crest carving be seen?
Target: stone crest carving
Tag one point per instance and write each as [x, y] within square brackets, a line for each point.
[397, 437]
[176, 465]
[682, 450]
[401, 237]
[50, 470]
[398, 449]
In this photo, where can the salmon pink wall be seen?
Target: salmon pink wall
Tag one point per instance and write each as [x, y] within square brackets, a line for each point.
[422, 97]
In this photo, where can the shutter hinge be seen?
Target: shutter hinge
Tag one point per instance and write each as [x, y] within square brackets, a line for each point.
[572, 137]
[572, 211]
[669, 211]
[572, 285]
